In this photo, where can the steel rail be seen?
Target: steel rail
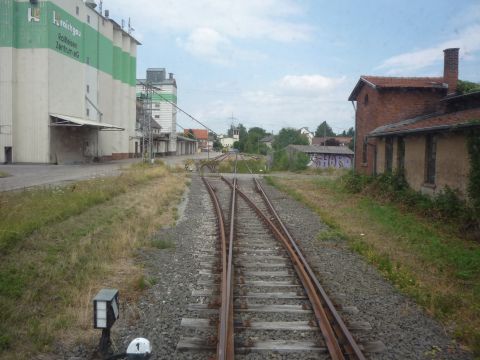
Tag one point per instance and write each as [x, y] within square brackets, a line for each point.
[323, 322]
[346, 338]
[225, 345]
[223, 348]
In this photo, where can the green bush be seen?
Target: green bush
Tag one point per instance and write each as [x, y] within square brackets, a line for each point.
[295, 161]
[473, 144]
[446, 205]
[354, 182]
[298, 162]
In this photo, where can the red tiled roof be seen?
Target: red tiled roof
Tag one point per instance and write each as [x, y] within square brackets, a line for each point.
[431, 122]
[416, 82]
[200, 134]
[396, 82]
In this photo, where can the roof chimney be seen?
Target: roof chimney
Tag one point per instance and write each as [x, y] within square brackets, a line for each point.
[450, 69]
[170, 76]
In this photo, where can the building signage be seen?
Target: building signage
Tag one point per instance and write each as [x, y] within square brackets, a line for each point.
[63, 42]
[33, 15]
[57, 20]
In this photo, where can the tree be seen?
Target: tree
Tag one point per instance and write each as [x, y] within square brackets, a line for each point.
[324, 130]
[189, 134]
[351, 132]
[252, 142]
[217, 145]
[289, 136]
[243, 134]
[332, 142]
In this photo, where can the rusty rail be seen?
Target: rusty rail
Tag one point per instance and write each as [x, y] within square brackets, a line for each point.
[311, 285]
[343, 334]
[225, 344]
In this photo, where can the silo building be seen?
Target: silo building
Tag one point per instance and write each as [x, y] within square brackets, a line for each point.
[67, 83]
[162, 101]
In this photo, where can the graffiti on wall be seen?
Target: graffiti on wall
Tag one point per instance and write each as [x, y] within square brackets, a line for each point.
[330, 160]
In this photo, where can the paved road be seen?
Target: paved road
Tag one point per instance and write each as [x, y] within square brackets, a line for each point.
[25, 176]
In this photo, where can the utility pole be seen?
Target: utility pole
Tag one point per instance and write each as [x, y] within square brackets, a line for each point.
[147, 133]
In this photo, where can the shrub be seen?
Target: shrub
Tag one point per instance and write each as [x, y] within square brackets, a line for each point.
[354, 182]
[446, 205]
[298, 162]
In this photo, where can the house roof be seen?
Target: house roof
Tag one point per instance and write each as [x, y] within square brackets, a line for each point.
[268, 138]
[378, 82]
[184, 138]
[455, 97]
[431, 122]
[319, 140]
[311, 149]
[200, 134]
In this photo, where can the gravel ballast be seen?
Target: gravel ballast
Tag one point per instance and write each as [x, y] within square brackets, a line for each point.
[405, 330]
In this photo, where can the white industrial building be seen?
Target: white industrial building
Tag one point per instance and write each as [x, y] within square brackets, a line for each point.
[67, 83]
[160, 104]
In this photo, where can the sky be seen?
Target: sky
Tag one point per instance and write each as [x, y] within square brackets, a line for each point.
[293, 63]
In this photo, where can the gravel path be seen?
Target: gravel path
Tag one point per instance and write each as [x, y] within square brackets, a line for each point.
[395, 320]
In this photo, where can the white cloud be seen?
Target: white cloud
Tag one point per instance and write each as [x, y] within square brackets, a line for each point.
[206, 43]
[309, 84]
[316, 98]
[468, 40]
[217, 24]
[210, 45]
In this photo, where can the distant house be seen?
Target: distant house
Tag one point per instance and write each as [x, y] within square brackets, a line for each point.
[267, 140]
[416, 125]
[227, 142]
[332, 141]
[202, 136]
[325, 156]
[309, 135]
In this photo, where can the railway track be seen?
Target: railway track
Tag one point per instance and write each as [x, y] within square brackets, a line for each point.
[260, 297]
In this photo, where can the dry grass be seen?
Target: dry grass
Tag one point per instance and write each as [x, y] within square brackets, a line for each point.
[57, 270]
[388, 238]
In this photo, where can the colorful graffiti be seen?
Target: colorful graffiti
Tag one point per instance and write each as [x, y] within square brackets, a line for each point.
[330, 160]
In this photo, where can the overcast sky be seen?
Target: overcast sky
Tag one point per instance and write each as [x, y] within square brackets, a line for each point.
[286, 63]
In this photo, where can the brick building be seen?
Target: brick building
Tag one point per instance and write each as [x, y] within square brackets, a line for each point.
[201, 135]
[418, 125]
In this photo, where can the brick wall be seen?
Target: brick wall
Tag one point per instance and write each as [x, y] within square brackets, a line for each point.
[387, 106]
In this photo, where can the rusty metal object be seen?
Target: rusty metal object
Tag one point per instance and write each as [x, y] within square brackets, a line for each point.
[225, 348]
[316, 298]
[343, 334]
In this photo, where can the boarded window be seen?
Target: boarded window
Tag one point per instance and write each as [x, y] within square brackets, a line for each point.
[430, 158]
[400, 154]
[388, 154]
[364, 152]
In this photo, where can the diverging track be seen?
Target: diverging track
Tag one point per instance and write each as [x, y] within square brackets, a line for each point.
[259, 295]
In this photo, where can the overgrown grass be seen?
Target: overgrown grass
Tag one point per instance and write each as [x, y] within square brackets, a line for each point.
[423, 257]
[446, 206]
[24, 212]
[243, 166]
[82, 238]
